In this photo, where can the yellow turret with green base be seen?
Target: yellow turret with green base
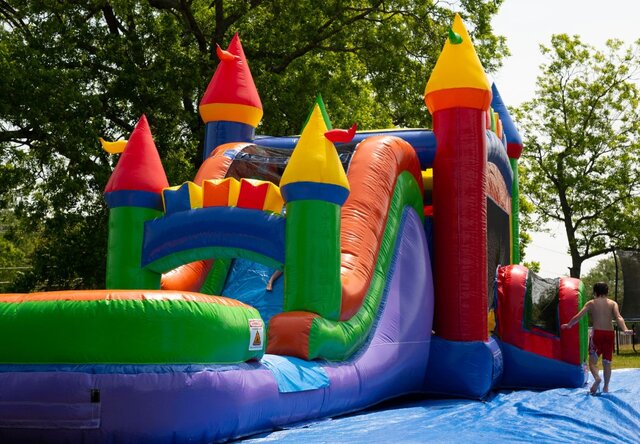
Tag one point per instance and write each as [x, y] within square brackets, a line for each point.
[314, 186]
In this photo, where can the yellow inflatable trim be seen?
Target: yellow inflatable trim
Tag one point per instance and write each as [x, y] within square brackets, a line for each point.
[232, 112]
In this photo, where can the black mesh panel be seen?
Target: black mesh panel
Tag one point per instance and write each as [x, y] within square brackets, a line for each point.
[498, 243]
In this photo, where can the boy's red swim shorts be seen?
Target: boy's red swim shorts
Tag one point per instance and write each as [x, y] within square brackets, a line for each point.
[602, 344]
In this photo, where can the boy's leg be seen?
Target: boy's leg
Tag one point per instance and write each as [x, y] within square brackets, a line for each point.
[593, 367]
[607, 356]
[606, 366]
[593, 364]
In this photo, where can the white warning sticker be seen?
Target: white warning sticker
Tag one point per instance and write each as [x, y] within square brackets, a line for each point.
[256, 330]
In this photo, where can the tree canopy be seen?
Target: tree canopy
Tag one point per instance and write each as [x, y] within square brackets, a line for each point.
[73, 71]
[582, 139]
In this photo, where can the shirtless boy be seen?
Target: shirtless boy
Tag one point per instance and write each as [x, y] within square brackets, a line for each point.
[602, 311]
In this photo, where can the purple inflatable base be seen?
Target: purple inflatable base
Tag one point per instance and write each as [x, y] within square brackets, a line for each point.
[219, 403]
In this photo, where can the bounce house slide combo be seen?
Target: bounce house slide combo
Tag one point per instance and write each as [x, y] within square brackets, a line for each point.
[399, 252]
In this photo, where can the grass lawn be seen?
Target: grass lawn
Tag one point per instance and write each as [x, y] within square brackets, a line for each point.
[627, 358]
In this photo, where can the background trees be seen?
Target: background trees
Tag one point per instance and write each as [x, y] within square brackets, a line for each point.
[582, 138]
[75, 70]
[14, 251]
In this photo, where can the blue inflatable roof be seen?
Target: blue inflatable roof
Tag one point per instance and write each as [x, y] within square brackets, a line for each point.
[513, 136]
[422, 140]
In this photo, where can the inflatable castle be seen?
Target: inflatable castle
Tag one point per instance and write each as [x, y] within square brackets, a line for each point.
[399, 253]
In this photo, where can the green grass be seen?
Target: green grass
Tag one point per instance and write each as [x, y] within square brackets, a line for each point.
[627, 358]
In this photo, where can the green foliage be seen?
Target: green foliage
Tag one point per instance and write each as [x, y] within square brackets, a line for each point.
[73, 71]
[14, 251]
[582, 145]
[69, 254]
[533, 266]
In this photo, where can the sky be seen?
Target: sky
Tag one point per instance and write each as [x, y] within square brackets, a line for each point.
[527, 24]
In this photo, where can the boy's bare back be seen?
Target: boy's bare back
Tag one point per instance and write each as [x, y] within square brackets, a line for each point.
[603, 310]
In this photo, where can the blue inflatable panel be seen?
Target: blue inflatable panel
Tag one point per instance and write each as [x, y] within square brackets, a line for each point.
[465, 369]
[133, 198]
[247, 282]
[218, 132]
[260, 232]
[523, 369]
[555, 416]
[295, 374]
[177, 200]
[497, 154]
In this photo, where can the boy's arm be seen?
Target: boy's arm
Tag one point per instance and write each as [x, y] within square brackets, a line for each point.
[620, 320]
[574, 320]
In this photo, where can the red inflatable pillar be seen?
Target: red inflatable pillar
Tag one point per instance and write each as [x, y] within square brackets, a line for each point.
[458, 95]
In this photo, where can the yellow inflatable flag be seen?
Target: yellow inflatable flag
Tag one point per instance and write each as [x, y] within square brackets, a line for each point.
[113, 147]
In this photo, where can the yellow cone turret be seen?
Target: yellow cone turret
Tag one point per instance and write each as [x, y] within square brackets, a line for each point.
[458, 79]
[315, 161]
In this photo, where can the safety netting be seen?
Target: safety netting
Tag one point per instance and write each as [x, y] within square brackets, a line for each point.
[630, 264]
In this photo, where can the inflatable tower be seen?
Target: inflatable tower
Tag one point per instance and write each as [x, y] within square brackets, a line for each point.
[133, 194]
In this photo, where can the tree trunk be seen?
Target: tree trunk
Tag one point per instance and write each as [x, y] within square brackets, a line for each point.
[576, 265]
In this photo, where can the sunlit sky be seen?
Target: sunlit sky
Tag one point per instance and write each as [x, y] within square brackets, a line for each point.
[526, 25]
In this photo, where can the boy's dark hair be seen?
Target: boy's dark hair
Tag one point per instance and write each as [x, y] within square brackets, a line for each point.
[601, 288]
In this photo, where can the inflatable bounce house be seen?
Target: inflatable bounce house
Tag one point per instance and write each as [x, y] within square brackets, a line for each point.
[399, 254]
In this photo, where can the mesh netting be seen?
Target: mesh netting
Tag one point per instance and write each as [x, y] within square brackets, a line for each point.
[541, 304]
[498, 243]
[630, 262]
[258, 162]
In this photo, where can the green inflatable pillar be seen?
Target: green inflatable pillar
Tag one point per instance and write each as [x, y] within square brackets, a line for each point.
[515, 214]
[124, 251]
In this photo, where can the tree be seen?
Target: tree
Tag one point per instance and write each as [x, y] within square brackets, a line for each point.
[605, 271]
[75, 70]
[14, 251]
[582, 145]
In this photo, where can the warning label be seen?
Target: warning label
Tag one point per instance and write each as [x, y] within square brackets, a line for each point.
[256, 330]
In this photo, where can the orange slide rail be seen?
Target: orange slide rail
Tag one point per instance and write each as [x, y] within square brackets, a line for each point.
[377, 163]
